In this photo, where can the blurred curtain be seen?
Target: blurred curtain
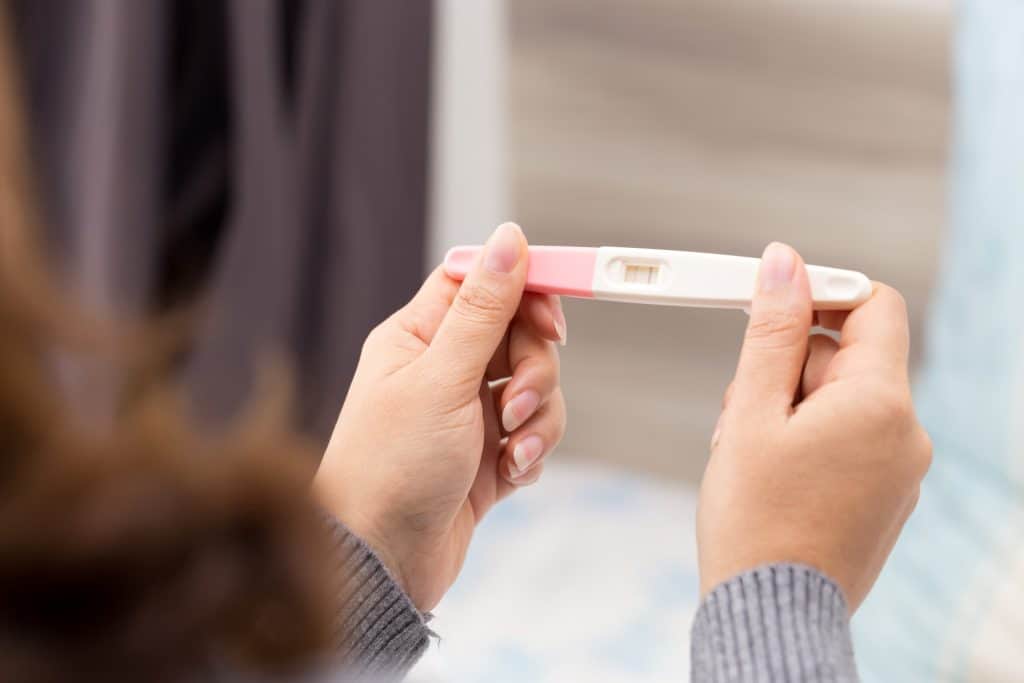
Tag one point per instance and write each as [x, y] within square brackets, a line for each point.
[267, 156]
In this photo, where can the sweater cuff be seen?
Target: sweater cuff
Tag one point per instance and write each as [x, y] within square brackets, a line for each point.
[782, 622]
[380, 633]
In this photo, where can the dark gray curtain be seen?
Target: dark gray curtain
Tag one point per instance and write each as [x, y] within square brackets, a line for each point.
[269, 157]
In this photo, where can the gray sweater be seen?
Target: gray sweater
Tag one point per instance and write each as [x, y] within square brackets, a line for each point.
[782, 623]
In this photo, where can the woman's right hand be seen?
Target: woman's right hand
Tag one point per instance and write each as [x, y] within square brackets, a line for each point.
[818, 457]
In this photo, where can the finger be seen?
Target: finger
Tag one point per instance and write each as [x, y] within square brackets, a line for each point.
[506, 487]
[499, 367]
[876, 334]
[716, 433]
[775, 346]
[475, 324]
[543, 312]
[425, 311]
[821, 349]
[530, 443]
[728, 395]
[497, 388]
[531, 476]
[483, 493]
[535, 377]
[831, 320]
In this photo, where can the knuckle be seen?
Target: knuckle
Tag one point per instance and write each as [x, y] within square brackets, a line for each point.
[912, 498]
[543, 370]
[773, 328]
[554, 368]
[727, 398]
[924, 452]
[375, 337]
[895, 297]
[435, 380]
[900, 411]
[479, 301]
[553, 358]
[893, 405]
[892, 293]
[561, 418]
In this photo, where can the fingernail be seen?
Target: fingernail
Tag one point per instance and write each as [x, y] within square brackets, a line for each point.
[503, 248]
[519, 410]
[526, 453]
[778, 266]
[560, 330]
[524, 478]
[559, 318]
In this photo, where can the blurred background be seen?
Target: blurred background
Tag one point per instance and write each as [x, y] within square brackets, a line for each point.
[267, 157]
[705, 126]
[298, 165]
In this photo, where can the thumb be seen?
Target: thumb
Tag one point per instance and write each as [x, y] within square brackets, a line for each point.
[488, 299]
[775, 345]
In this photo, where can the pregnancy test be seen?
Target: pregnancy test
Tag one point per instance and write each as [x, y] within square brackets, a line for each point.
[658, 276]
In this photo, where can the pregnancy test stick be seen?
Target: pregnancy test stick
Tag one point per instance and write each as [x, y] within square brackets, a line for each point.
[657, 276]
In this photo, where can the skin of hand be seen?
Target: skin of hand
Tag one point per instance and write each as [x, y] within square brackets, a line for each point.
[818, 457]
[454, 404]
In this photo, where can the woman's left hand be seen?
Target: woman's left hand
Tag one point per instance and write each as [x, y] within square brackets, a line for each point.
[455, 403]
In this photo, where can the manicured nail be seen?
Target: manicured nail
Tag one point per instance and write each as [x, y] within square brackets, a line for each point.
[503, 248]
[525, 478]
[560, 330]
[559, 318]
[526, 453]
[778, 265]
[519, 410]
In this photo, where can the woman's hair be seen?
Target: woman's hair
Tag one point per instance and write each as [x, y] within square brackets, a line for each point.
[133, 546]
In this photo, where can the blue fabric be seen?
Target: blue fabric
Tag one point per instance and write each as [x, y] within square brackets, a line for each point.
[590, 577]
[942, 586]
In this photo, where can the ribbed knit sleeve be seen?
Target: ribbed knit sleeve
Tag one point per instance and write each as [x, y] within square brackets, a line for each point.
[381, 634]
[781, 623]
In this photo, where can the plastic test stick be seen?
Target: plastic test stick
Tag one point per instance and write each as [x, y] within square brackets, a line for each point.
[657, 276]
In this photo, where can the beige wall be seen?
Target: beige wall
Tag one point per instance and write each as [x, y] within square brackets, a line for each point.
[718, 125]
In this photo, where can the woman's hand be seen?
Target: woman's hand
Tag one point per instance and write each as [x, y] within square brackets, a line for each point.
[818, 457]
[454, 404]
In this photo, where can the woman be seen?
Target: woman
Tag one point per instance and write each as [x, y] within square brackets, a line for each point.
[141, 548]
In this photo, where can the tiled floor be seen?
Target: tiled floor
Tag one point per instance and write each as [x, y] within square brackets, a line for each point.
[719, 125]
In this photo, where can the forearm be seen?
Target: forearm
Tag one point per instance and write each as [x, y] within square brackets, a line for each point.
[781, 623]
[381, 634]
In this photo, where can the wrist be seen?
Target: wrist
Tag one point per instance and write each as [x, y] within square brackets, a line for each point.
[359, 525]
[384, 554]
[713, 581]
[722, 573]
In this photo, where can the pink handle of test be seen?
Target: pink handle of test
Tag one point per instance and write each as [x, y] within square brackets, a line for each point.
[552, 270]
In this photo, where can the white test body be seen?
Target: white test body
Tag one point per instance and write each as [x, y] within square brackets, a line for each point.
[682, 278]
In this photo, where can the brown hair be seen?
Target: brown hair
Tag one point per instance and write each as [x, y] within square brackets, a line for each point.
[137, 547]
